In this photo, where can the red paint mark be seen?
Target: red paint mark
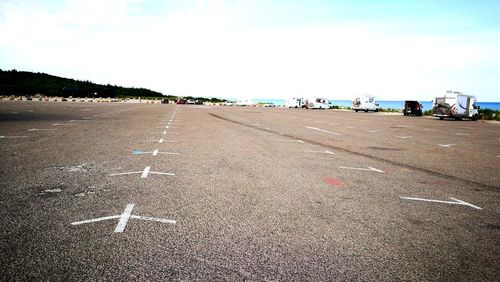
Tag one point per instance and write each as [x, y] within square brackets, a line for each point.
[333, 181]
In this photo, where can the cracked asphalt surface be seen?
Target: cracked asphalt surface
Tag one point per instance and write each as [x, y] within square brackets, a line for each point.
[257, 194]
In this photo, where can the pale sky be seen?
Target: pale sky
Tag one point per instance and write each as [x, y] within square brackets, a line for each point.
[394, 50]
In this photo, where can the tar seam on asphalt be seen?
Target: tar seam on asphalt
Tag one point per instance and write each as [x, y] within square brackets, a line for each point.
[435, 173]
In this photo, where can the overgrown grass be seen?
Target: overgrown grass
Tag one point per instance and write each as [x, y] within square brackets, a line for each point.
[389, 110]
[488, 114]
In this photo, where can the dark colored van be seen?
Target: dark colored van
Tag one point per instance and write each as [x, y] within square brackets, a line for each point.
[412, 108]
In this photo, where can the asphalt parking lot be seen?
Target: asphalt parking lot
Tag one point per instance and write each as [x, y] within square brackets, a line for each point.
[105, 191]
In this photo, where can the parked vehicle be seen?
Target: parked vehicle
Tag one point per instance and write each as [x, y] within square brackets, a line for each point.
[365, 103]
[244, 102]
[295, 103]
[455, 105]
[164, 101]
[317, 103]
[412, 108]
[180, 101]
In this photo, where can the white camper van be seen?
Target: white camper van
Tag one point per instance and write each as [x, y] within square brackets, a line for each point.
[317, 103]
[295, 103]
[455, 105]
[365, 103]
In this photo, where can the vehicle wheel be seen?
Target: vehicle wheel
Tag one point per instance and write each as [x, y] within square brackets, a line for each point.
[474, 117]
[441, 118]
[376, 110]
[356, 111]
[366, 111]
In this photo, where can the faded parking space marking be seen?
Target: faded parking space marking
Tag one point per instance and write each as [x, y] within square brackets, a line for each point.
[447, 145]
[321, 152]
[369, 168]
[322, 130]
[453, 202]
[12, 137]
[124, 218]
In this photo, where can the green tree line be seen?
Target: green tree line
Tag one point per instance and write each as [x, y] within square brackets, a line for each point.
[21, 83]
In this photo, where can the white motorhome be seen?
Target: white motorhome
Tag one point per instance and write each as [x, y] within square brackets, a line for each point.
[244, 102]
[295, 103]
[365, 103]
[317, 103]
[455, 105]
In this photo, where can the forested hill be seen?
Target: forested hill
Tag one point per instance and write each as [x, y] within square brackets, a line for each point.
[21, 83]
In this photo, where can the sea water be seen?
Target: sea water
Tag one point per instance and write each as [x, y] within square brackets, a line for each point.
[427, 105]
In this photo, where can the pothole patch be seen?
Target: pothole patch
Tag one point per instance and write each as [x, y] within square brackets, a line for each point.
[91, 190]
[75, 168]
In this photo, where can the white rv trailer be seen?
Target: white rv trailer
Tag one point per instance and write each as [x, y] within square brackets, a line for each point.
[295, 103]
[317, 103]
[365, 103]
[455, 105]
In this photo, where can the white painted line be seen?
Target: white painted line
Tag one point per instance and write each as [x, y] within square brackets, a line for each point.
[167, 126]
[462, 134]
[145, 172]
[281, 133]
[360, 168]
[161, 140]
[299, 141]
[125, 173]
[73, 120]
[405, 137]
[164, 132]
[321, 152]
[155, 152]
[41, 129]
[84, 110]
[446, 145]
[162, 173]
[374, 131]
[322, 130]
[454, 202]
[12, 137]
[124, 218]
[168, 153]
[154, 219]
[95, 220]
[58, 124]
